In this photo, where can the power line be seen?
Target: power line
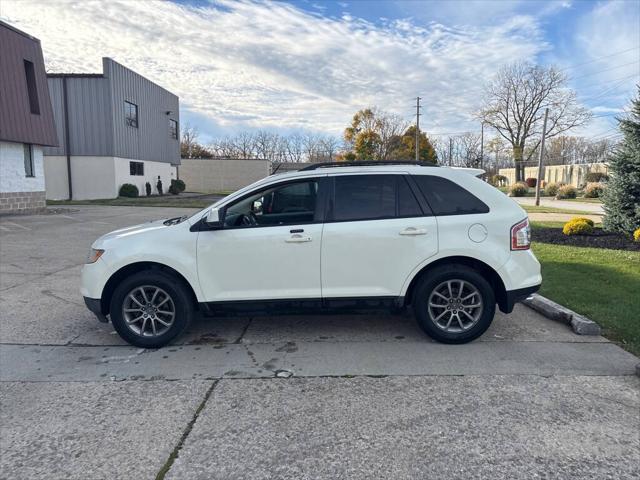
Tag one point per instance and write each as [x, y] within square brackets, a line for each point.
[606, 70]
[597, 84]
[608, 90]
[599, 58]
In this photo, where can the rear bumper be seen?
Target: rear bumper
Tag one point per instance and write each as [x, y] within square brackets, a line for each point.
[514, 296]
[95, 306]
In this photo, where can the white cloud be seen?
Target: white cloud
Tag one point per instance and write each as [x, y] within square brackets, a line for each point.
[607, 60]
[271, 65]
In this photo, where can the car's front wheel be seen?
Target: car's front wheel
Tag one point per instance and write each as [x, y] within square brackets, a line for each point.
[454, 304]
[151, 308]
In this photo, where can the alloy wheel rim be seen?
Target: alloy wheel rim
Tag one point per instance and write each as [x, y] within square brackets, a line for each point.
[148, 311]
[455, 306]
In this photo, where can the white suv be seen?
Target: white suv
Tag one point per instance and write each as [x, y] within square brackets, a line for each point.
[326, 237]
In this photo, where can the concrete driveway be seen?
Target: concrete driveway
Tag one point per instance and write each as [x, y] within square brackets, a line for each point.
[369, 397]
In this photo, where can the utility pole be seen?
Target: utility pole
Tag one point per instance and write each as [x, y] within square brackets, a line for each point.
[417, 129]
[544, 133]
[450, 151]
[482, 144]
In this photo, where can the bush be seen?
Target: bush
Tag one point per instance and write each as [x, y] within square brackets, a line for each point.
[594, 190]
[519, 189]
[531, 182]
[179, 185]
[159, 186]
[566, 191]
[582, 219]
[596, 177]
[577, 226]
[636, 235]
[498, 180]
[176, 187]
[147, 187]
[128, 190]
[551, 189]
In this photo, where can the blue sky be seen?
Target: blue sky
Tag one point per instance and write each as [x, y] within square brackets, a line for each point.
[309, 65]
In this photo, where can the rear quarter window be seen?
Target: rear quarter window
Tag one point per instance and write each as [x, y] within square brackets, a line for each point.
[448, 198]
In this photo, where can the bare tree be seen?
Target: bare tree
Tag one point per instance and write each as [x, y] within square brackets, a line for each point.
[188, 138]
[468, 149]
[330, 147]
[294, 147]
[514, 105]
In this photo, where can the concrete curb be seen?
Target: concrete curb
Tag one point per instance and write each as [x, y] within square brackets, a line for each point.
[578, 323]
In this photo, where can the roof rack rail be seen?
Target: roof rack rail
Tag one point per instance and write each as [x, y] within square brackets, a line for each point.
[364, 164]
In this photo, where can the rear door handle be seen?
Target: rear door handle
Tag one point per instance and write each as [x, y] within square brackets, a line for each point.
[297, 238]
[413, 231]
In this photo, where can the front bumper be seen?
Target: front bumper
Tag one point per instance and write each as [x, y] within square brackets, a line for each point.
[95, 306]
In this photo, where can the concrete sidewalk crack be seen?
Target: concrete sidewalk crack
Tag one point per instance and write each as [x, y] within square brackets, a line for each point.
[176, 451]
[244, 331]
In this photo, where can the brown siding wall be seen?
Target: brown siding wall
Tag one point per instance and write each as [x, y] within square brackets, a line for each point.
[17, 123]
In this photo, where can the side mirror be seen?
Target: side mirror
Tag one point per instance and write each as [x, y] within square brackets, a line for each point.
[214, 218]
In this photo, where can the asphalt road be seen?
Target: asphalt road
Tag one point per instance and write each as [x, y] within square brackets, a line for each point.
[369, 396]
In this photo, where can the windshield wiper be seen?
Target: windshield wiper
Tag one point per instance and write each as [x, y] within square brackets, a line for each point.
[175, 220]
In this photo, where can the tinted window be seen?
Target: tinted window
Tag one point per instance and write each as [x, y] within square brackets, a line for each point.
[447, 198]
[136, 168]
[131, 114]
[289, 204]
[32, 88]
[364, 197]
[28, 160]
[407, 204]
[173, 129]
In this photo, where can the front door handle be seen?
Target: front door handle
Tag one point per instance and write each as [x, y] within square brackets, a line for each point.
[297, 238]
[414, 231]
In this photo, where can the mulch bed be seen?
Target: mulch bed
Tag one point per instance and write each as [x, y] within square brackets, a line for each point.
[598, 239]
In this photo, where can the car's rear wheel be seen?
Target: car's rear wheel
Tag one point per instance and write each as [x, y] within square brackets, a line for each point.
[151, 308]
[454, 304]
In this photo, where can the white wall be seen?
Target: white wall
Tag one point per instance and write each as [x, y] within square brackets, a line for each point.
[92, 177]
[220, 175]
[166, 171]
[100, 177]
[55, 177]
[12, 174]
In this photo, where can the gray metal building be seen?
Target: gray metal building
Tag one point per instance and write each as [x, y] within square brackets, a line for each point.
[26, 121]
[113, 128]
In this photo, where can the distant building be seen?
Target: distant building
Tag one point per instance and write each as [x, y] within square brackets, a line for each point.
[114, 127]
[26, 122]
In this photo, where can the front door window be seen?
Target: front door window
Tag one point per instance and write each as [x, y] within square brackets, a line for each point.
[290, 204]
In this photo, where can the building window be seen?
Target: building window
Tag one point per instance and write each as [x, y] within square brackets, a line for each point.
[173, 129]
[131, 114]
[28, 160]
[32, 88]
[136, 168]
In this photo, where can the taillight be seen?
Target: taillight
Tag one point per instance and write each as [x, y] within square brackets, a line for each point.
[521, 235]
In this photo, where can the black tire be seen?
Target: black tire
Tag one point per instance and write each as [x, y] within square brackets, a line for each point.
[180, 296]
[434, 279]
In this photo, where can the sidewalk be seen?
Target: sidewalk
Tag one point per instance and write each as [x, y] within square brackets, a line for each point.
[594, 208]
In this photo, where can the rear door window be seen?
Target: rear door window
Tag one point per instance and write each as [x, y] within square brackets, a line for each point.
[447, 198]
[373, 197]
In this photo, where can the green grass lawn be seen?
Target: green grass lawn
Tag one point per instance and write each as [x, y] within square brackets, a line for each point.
[155, 201]
[544, 209]
[601, 284]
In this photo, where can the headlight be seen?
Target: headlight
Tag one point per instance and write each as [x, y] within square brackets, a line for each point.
[94, 255]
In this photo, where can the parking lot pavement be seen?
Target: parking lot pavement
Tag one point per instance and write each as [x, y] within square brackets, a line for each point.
[370, 396]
